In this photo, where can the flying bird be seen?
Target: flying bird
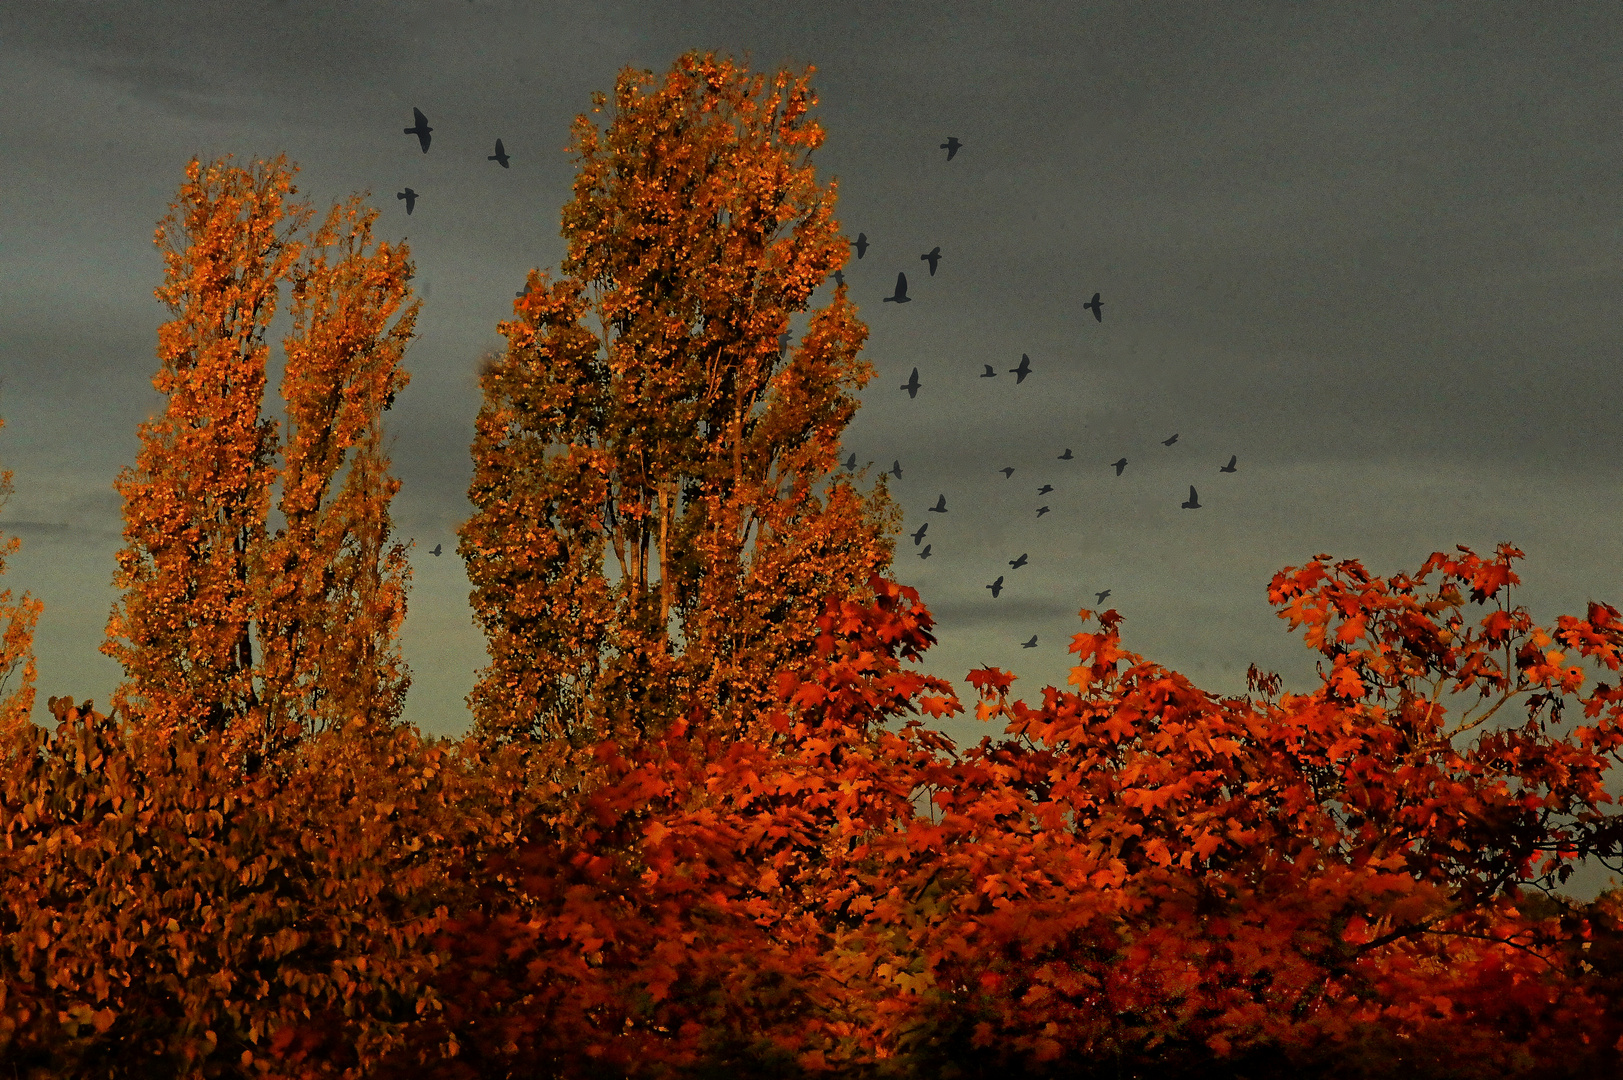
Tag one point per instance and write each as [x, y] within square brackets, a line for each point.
[851, 463]
[1067, 455]
[436, 550]
[1007, 471]
[1169, 442]
[996, 587]
[783, 343]
[896, 469]
[1032, 644]
[912, 385]
[901, 290]
[411, 200]
[1015, 564]
[862, 244]
[839, 277]
[1099, 598]
[1041, 510]
[1095, 306]
[1022, 371]
[925, 554]
[988, 373]
[500, 156]
[1120, 465]
[951, 146]
[933, 256]
[1230, 466]
[421, 129]
[940, 506]
[1194, 500]
[920, 534]
[1045, 489]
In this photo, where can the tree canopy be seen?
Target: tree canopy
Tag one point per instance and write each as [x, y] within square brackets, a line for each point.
[702, 825]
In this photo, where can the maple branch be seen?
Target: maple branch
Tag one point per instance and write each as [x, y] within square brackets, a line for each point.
[1467, 723]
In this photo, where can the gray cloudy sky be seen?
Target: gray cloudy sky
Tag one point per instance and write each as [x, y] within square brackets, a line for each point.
[1370, 249]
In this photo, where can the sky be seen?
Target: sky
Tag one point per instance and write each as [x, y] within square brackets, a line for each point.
[1369, 250]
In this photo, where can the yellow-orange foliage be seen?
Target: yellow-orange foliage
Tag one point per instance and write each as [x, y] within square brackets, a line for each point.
[224, 625]
[162, 916]
[18, 618]
[644, 408]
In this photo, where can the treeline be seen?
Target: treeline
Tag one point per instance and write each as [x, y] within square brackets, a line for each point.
[699, 826]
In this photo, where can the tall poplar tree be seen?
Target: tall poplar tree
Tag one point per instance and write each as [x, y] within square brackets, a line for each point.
[223, 625]
[646, 409]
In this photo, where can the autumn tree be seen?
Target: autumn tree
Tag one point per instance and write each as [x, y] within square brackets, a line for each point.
[652, 405]
[18, 617]
[224, 623]
[1148, 872]
[162, 917]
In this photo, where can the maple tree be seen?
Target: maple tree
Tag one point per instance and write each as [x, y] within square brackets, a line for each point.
[1155, 872]
[224, 624]
[1138, 874]
[646, 407]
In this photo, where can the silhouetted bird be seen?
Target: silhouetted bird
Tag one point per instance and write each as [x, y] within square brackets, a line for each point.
[911, 385]
[1015, 564]
[1099, 598]
[1169, 442]
[1067, 455]
[421, 129]
[1022, 371]
[1230, 466]
[862, 244]
[1045, 489]
[411, 199]
[436, 550]
[500, 156]
[920, 534]
[1041, 510]
[932, 257]
[940, 506]
[1120, 465]
[925, 554]
[996, 587]
[1032, 644]
[951, 146]
[839, 277]
[896, 469]
[1007, 472]
[1194, 500]
[901, 290]
[851, 463]
[1096, 307]
[988, 373]
[783, 343]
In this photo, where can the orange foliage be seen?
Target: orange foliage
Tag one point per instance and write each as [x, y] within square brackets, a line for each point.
[747, 855]
[18, 616]
[643, 409]
[204, 581]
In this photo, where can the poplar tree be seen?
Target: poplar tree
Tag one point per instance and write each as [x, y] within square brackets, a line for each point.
[648, 407]
[224, 625]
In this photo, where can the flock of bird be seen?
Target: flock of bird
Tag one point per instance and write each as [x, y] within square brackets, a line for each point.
[933, 257]
[1096, 305]
[421, 129]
